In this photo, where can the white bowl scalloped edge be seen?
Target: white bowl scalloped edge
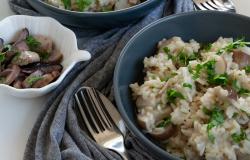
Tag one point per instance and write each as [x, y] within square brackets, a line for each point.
[63, 38]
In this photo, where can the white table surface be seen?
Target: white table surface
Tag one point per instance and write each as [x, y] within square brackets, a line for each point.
[17, 117]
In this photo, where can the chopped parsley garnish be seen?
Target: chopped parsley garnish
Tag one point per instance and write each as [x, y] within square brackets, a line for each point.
[247, 69]
[32, 42]
[166, 50]
[166, 121]
[83, 4]
[206, 111]
[206, 46]
[234, 45]
[7, 48]
[237, 138]
[44, 55]
[187, 85]
[2, 57]
[172, 95]
[67, 4]
[220, 79]
[239, 90]
[216, 119]
[170, 76]
[235, 114]
[33, 79]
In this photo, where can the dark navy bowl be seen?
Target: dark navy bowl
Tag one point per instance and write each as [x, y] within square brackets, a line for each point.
[96, 20]
[203, 26]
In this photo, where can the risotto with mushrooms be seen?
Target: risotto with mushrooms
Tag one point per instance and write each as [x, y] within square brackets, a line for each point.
[195, 98]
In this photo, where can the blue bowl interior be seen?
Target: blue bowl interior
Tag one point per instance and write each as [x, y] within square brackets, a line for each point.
[203, 26]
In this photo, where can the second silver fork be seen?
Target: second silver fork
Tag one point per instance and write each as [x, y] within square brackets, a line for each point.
[102, 127]
[220, 5]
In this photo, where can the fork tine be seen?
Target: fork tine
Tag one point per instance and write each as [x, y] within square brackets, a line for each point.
[205, 4]
[80, 107]
[98, 109]
[89, 113]
[200, 7]
[211, 3]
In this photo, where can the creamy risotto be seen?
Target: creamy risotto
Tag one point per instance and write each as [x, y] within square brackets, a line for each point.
[195, 98]
[94, 5]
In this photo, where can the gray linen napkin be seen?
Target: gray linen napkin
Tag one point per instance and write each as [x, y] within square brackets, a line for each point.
[57, 133]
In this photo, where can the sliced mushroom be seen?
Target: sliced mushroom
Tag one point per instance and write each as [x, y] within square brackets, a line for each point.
[45, 68]
[5, 72]
[1, 44]
[241, 58]
[232, 94]
[24, 33]
[18, 84]
[21, 46]
[32, 79]
[25, 58]
[9, 55]
[145, 122]
[163, 133]
[220, 65]
[15, 70]
[46, 44]
[54, 58]
[46, 79]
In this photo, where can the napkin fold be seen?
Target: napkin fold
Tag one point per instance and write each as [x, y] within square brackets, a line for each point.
[57, 133]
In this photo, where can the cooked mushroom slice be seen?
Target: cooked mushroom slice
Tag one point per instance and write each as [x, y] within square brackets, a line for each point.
[24, 33]
[46, 79]
[5, 72]
[21, 46]
[46, 44]
[18, 84]
[147, 122]
[1, 44]
[15, 70]
[25, 58]
[232, 94]
[241, 58]
[45, 68]
[9, 55]
[54, 58]
[163, 133]
[32, 79]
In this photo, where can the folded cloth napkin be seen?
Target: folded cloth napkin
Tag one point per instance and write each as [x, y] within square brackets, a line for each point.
[57, 133]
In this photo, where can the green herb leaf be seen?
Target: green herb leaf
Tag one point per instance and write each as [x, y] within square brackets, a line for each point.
[33, 79]
[32, 42]
[234, 45]
[166, 50]
[210, 136]
[172, 95]
[221, 79]
[206, 46]
[2, 57]
[237, 138]
[166, 121]
[44, 55]
[196, 72]
[247, 69]
[67, 4]
[216, 119]
[206, 111]
[7, 48]
[239, 90]
[235, 114]
[83, 4]
[188, 85]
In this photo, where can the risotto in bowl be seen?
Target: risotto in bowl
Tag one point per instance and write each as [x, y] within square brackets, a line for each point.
[186, 94]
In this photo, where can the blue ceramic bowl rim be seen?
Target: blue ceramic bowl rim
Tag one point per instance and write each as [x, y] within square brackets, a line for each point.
[131, 126]
[130, 9]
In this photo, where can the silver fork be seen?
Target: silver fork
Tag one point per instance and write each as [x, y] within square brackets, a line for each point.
[98, 121]
[220, 5]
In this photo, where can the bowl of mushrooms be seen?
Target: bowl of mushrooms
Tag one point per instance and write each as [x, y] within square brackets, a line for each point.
[36, 53]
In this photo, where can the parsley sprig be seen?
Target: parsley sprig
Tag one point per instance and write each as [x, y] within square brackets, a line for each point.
[247, 69]
[216, 119]
[83, 4]
[32, 42]
[234, 45]
[172, 95]
[239, 89]
[166, 121]
[187, 85]
[237, 138]
[67, 4]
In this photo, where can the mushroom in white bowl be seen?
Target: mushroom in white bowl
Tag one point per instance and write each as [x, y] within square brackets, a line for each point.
[45, 30]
